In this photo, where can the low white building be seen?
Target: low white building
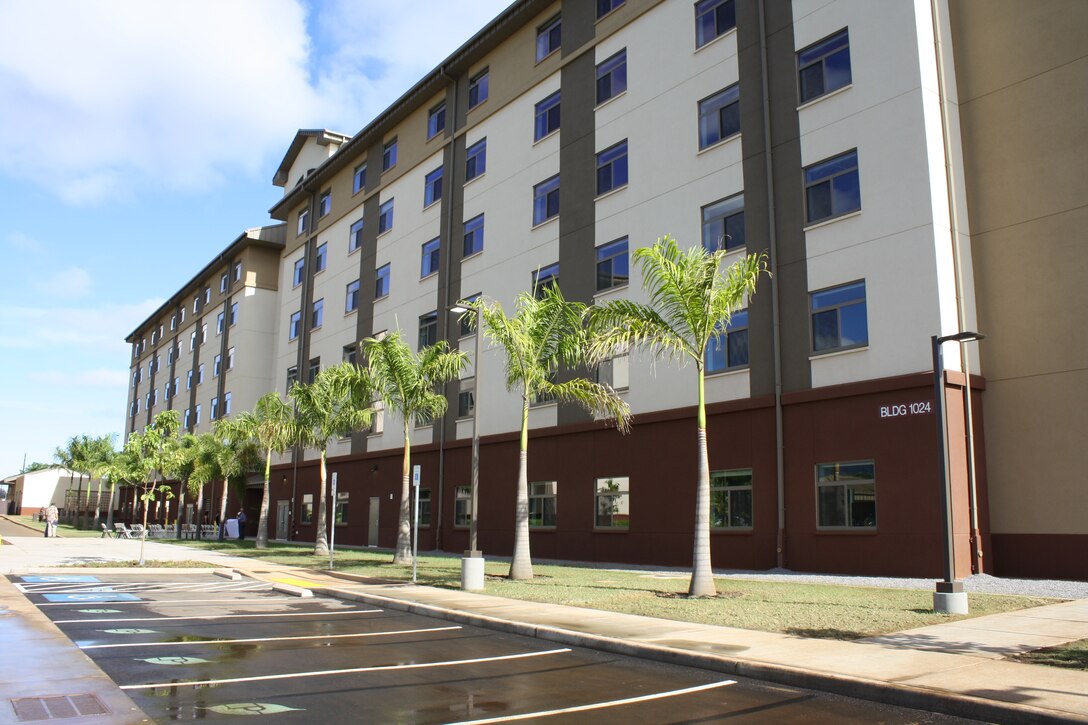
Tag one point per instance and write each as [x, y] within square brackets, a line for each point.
[36, 489]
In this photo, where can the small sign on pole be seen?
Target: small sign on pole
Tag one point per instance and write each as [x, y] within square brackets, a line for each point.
[332, 532]
[416, 470]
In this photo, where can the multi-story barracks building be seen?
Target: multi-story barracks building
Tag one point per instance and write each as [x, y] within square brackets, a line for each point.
[911, 168]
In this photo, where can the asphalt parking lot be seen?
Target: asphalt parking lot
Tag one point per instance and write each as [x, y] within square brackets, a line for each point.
[199, 646]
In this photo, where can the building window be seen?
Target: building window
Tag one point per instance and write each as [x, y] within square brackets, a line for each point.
[424, 506]
[217, 366]
[381, 282]
[462, 506]
[547, 117]
[377, 421]
[428, 329]
[223, 281]
[832, 188]
[233, 314]
[319, 314]
[237, 271]
[351, 302]
[182, 318]
[204, 333]
[200, 374]
[306, 516]
[226, 404]
[429, 262]
[293, 329]
[351, 353]
[313, 370]
[292, 376]
[300, 272]
[187, 417]
[230, 358]
[728, 349]
[546, 200]
[340, 510]
[713, 18]
[192, 341]
[611, 168]
[389, 155]
[189, 380]
[604, 7]
[467, 319]
[542, 500]
[324, 203]
[321, 258]
[432, 187]
[436, 120]
[839, 318]
[731, 499]
[196, 308]
[548, 38]
[846, 494]
[613, 503]
[466, 398]
[219, 323]
[723, 224]
[173, 322]
[615, 372]
[355, 236]
[612, 267]
[177, 386]
[824, 67]
[303, 221]
[612, 76]
[197, 416]
[545, 277]
[214, 408]
[719, 116]
[385, 217]
[358, 179]
[474, 236]
[476, 159]
[477, 89]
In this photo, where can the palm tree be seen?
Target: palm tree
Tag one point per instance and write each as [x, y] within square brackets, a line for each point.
[238, 456]
[337, 403]
[73, 457]
[691, 300]
[546, 332]
[270, 425]
[406, 383]
[101, 457]
[206, 469]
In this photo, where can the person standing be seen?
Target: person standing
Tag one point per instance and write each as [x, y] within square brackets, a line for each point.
[51, 518]
[241, 525]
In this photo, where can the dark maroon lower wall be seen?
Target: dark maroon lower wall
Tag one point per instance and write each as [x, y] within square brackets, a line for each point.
[1040, 556]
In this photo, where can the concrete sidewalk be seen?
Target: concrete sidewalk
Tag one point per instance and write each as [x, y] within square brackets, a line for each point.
[954, 668]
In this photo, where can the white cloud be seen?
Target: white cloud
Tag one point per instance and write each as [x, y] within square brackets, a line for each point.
[100, 99]
[101, 378]
[24, 242]
[66, 284]
[72, 330]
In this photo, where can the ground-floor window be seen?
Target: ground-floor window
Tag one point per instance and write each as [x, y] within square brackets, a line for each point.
[731, 499]
[341, 513]
[424, 507]
[307, 513]
[462, 506]
[613, 503]
[542, 499]
[846, 494]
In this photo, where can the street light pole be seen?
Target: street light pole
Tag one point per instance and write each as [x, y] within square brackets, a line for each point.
[949, 596]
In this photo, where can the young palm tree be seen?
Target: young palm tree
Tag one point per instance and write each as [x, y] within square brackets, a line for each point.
[407, 383]
[238, 457]
[546, 332]
[72, 457]
[206, 469]
[691, 300]
[270, 425]
[102, 454]
[337, 403]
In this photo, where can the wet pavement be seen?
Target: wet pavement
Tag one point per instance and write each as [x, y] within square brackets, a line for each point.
[200, 646]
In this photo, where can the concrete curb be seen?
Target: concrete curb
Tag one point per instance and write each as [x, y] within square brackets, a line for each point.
[888, 693]
[228, 574]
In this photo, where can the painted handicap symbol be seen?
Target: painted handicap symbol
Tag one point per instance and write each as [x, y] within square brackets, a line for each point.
[99, 611]
[173, 660]
[131, 630]
[251, 708]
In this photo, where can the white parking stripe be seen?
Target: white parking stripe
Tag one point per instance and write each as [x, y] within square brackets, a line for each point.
[598, 705]
[271, 639]
[212, 616]
[144, 586]
[224, 601]
[351, 671]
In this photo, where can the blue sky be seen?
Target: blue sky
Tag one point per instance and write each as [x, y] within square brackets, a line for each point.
[137, 139]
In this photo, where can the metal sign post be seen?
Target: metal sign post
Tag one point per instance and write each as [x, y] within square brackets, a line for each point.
[415, 526]
[332, 532]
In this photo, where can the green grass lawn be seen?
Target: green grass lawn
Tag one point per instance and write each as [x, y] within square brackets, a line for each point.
[1071, 655]
[807, 610]
[63, 530]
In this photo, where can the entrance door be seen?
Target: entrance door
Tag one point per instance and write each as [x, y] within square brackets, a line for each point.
[282, 507]
[372, 527]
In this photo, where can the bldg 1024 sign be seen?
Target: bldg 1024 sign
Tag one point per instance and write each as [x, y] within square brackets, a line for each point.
[898, 410]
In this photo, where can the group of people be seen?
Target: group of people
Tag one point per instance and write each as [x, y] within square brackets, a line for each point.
[51, 516]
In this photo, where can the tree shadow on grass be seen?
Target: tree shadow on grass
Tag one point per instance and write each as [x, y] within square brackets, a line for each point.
[824, 633]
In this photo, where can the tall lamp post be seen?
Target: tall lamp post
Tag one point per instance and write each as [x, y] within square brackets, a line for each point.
[472, 564]
[949, 596]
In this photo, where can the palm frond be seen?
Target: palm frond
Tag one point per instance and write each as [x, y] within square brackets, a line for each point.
[600, 400]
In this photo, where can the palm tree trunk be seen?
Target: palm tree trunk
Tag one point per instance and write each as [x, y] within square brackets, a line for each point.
[73, 515]
[262, 523]
[702, 575]
[521, 566]
[199, 511]
[109, 510]
[321, 542]
[223, 509]
[404, 527]
[97, 506]
[181, 507]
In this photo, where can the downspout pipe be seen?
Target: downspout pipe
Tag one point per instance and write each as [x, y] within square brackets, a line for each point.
[957, 264]
[772, 253]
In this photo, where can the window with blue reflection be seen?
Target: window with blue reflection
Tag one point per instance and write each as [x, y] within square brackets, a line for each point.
[832, 187]
[429, 265]
[713, 18]
[824, 67]
[839, 318]
[547, 117]
[612, 264]
[729, 347]
[546, 200]
[719, 116]
[474, 236]
[476, 159]
[612, 76]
